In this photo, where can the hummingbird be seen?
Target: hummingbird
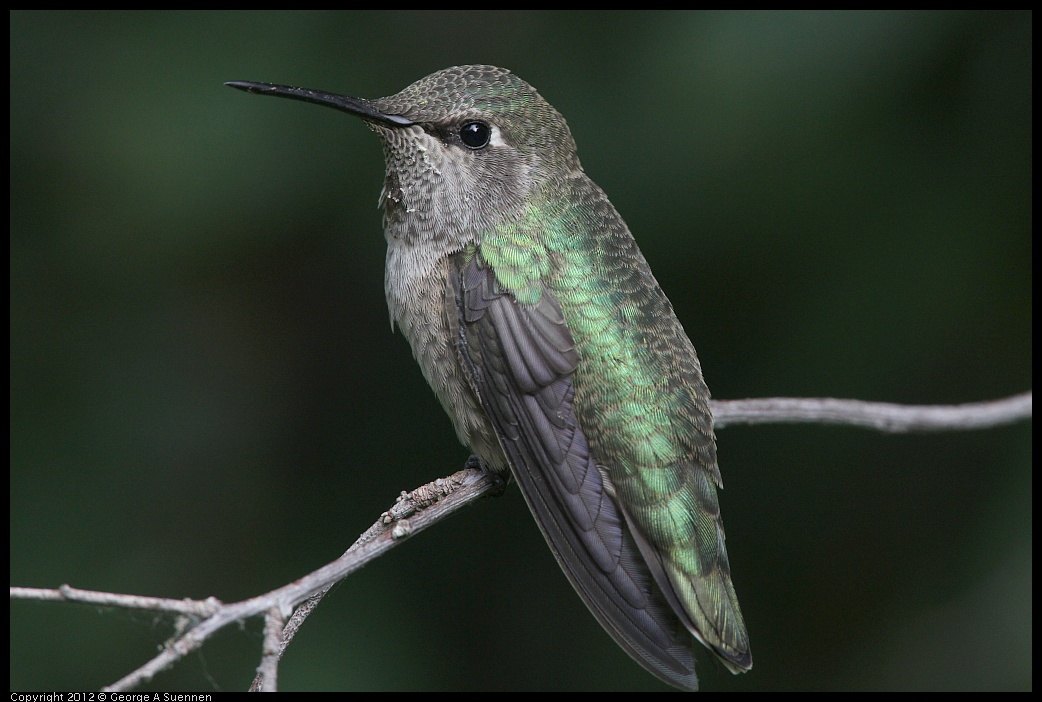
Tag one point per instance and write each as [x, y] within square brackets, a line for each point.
[537, 322]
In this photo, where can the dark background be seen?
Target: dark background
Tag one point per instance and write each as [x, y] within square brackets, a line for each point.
[207, 399]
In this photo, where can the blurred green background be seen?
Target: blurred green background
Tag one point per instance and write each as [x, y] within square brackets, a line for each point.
[207, 399]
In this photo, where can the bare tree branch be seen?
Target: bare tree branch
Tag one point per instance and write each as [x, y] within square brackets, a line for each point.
[67, 593]
[415, 511]
[268, 670]
[441, 497]
[884, 416]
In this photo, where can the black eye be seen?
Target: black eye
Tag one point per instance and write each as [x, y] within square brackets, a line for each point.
[475, 134]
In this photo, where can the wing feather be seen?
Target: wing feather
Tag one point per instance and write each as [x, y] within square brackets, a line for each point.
[520, 359]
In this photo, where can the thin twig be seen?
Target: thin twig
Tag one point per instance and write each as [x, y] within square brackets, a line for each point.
[268, 670]
[884, 416]
[67, 593]
[462, 488]
[444, 492]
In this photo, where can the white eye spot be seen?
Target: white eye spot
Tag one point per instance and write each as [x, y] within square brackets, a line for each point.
[497, 137]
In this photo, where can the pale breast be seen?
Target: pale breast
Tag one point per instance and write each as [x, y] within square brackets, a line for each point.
[415, 282]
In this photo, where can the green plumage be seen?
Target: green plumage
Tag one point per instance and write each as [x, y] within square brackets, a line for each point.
[640, 397]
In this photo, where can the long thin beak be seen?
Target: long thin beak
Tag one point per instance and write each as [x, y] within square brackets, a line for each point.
[355, 106]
